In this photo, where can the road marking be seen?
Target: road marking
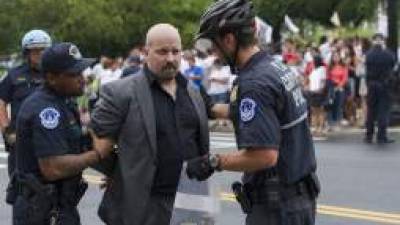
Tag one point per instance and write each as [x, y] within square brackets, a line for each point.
[380, 217]
[387, 218]
[360, 212]
[359, 217]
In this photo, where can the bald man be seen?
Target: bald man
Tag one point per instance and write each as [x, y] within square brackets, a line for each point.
[157, 120]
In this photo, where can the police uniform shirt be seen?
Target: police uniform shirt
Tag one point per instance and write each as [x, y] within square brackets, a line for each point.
[47, 125]
[379, 64]
[269, 112]
[19, 83]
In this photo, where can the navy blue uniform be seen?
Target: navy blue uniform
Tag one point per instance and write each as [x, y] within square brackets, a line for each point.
[19, 83]
[269, 111]
[379, 66]
[130, 71]
[47, 125]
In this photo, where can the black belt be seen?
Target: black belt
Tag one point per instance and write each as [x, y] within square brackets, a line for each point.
[265, 194]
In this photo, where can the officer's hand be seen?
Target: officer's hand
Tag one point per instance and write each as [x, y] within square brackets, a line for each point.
[199, 168]
[104, 146]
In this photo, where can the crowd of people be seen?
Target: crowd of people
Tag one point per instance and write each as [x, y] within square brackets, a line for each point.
[202, 69]
[332, 73]
[334, 81]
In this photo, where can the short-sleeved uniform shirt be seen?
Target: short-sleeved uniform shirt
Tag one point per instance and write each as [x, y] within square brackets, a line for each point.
[269, 111]
[47, 125]
[17, 85]
[379, 63]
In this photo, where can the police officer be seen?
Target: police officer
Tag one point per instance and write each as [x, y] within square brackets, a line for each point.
[379, 65]
[276, 151]
[49, 154]
[20, 83]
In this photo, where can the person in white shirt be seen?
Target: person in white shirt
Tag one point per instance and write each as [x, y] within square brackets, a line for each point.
[318, 95]
[219, 79]
[219, 82]
[325, 49]
[112, 73]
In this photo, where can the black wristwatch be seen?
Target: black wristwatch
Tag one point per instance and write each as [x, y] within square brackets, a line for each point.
[215, 162]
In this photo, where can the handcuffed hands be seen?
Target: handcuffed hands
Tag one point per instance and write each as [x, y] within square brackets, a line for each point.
[200, 168]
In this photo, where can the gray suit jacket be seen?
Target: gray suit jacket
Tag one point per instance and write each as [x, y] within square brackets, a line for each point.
[125, 112]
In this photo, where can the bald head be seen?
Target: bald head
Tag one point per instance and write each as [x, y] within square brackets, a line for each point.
[163, 51]
[162, 31]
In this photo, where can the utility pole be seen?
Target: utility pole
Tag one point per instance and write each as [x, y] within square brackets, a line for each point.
[393, 27]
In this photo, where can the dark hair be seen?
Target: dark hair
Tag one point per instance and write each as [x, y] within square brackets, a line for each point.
[323, 39]
[340, 60]
[244, 39]
[318, 61]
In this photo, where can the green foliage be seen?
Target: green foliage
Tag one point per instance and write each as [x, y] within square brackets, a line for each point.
[114, 26]
[316, 10]
[96, 26]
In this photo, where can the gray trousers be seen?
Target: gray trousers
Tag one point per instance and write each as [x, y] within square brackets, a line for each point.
[297, 211]
[159, 210]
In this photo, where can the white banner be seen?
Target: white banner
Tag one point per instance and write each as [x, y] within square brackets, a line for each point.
[264, 32]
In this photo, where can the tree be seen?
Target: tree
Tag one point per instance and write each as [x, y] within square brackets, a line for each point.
[113, 27]
[97, 26]
[315, 10]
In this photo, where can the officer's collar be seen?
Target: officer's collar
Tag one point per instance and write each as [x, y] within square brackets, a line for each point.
[50, 91]
[253, 60]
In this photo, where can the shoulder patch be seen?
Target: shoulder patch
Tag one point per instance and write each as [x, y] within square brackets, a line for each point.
[247, 109]
[49, 118]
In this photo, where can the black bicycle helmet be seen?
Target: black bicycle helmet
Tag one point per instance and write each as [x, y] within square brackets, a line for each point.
[225, 15]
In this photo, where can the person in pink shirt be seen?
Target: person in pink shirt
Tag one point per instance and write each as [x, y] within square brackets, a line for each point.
[338, 76]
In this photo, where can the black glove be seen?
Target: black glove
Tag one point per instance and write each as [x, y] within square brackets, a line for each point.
[202, 167]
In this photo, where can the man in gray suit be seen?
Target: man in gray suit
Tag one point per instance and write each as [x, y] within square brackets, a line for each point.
[157, 120]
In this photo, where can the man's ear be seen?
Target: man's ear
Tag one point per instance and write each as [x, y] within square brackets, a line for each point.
[229, 39]
[51, 78]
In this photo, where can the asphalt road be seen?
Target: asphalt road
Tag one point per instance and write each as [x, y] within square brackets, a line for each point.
[361, 183]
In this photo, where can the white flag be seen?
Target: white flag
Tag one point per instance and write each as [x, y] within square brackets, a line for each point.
[264, 31]
[335, 20]
[290, 25]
